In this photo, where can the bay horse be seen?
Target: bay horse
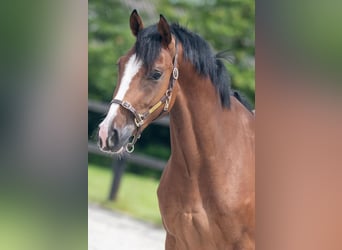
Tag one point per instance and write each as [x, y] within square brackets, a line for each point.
[206, 193]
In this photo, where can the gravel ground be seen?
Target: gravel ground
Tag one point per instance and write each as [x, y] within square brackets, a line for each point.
[108, 230]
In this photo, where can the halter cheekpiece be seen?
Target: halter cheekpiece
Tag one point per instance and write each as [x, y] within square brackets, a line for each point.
[140, 118]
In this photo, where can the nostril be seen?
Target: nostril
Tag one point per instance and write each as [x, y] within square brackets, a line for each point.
[100, 142]
[113, 137]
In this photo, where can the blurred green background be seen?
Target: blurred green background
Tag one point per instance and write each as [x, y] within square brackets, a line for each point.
[226, 25]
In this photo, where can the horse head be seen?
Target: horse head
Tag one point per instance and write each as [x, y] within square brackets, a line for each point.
[147, 74]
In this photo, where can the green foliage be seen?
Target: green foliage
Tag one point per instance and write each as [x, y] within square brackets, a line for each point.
[226, 25]
[109, 38]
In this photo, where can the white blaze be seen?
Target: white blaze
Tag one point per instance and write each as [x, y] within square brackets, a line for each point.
[132, 67]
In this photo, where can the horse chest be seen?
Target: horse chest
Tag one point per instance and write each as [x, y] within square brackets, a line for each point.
[179, 192]
[195, 217]
[182, 212]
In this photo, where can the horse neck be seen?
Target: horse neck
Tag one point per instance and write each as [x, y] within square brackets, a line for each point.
[200, 126]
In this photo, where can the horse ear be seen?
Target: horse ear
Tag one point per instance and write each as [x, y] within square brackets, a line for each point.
[135, 23]
[164, 31]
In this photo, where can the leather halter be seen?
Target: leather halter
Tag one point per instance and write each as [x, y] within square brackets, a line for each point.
[140, 118]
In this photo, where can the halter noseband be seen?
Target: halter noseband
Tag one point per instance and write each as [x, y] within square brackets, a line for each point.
[140, 118]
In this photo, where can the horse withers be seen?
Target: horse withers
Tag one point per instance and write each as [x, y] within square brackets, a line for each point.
[206, 193]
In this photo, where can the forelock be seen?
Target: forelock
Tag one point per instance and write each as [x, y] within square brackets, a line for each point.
[148, 46]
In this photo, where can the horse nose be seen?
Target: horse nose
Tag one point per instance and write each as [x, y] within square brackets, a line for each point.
[108, 137]
[113, 138]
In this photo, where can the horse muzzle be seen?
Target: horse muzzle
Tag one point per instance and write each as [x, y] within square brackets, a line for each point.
[113, 139]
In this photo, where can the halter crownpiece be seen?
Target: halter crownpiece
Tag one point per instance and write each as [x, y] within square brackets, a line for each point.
[139, 118]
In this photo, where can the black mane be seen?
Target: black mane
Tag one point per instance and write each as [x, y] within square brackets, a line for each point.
[195, 49]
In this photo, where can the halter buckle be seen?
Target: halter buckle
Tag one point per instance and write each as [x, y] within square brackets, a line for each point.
[167, 101]
[138, 122]
[166, 106]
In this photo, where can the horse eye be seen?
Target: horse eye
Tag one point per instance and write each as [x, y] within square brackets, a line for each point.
[155, 75]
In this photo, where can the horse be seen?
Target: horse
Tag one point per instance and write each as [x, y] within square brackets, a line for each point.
[207, 190]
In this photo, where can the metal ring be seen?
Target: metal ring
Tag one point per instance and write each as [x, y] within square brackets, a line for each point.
[175, 73]
[168, 93]
[130, 147]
